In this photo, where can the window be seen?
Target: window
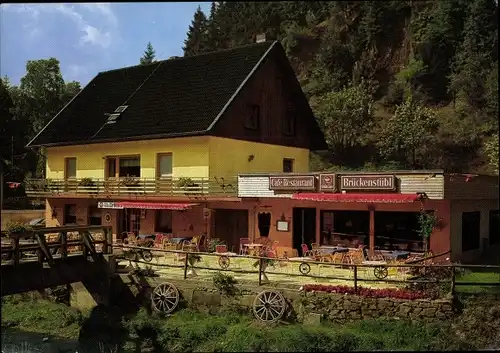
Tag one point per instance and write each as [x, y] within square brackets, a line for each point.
[94, 216]
[264, 220]
[494, 227]
[287, 165]
[163, 221]
[252, 119]
[69, 214]
[164, 165]
[471, 228]
[123, 166]
[70, 168]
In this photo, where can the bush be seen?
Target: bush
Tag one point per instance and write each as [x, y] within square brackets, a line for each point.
[367, 292]
[225, 283]
[17, 227]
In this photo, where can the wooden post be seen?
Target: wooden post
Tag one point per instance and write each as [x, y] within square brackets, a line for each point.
[261, 262]
[453, 278]
[372, 232]
[64, 245]
[108, 241]
[186, 265]
[16, 252]
[355, 279]
[318, 226]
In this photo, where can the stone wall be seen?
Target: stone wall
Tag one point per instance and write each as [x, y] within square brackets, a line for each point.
[313, 306]
[340, 307]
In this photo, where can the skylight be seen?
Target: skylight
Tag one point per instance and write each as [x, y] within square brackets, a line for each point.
[112, 118]
[121, 108]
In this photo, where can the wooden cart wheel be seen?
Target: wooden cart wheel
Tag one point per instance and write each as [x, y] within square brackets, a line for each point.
[165, 298]
[224, 262]
[147, 255]
[380, 272]
[269, 306]
[304, 268]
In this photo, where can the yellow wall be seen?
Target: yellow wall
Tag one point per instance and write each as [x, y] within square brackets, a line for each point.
[195, 157]
[190, 157]
[229, 157]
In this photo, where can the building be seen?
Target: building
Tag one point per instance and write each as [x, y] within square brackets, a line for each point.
[157, 148]
[379, 209]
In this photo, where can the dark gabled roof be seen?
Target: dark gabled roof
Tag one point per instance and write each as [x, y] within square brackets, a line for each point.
[178, 97]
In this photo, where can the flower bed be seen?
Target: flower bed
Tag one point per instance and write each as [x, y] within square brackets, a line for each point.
[367, 292]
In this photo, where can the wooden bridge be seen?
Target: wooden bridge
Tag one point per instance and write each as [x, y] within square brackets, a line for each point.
[53, 256]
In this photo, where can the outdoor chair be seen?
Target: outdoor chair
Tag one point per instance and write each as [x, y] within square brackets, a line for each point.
[244, 249]
[306, 252]
[190, 245]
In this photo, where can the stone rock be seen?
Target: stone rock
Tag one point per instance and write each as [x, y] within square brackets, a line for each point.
[428, 312]
[417, 310]
[312, 319]
[440, 315]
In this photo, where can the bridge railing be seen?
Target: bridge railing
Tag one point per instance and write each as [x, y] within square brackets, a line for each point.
[47, 244]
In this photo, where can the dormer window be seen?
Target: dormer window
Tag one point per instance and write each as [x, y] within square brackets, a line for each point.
[252, 119]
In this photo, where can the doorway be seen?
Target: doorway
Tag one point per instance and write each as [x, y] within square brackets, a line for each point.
[304, 226]
[131, 220]
[230, 226]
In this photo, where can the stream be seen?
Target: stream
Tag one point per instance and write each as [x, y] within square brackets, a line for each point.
[17, 341]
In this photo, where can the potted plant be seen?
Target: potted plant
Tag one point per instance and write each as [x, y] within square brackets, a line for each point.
[129, 181]
[192, 260]
[212, 244]
[187, 184]
[88, 184]
[427, 222]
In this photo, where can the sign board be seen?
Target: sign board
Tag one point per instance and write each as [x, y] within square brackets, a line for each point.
[108, 204]
[297, 182]
[327, 182]
[368, 182]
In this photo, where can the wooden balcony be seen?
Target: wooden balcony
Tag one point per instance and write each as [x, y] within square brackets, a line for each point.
[133, 186]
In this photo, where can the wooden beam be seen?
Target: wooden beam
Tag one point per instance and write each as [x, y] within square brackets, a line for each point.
[89, 244]
[372, 232]
[45, 249]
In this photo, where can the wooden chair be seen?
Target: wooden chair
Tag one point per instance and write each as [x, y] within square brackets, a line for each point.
[244, 249]
[190, 245]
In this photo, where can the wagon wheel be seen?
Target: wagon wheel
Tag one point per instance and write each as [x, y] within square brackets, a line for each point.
[304, 268]
[165, 298]
[147, 255]
[269, 306]
[224, 262]
[380, 272]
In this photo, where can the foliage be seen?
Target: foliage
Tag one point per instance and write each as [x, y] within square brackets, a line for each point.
[427, 221]
[212, 244]
[148, 271]
[397, 293]
[129, 181]
[17, 227]
[408, 133]
[185, 182]
[196, 42]
[226, 284]
[193, 258]
[86, 182]
[491, 149]
[149, 55]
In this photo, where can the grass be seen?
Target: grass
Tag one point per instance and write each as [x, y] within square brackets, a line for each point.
[189, 331]
[478, 277]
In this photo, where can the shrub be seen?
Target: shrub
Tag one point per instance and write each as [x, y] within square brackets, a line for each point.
[367, 292]
[17, 227]
[213, 243]
[225, 283]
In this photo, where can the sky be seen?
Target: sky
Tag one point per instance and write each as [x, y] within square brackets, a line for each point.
[88, 38]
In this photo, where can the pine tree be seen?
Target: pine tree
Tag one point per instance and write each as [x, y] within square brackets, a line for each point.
[196, 42]
[149, 55]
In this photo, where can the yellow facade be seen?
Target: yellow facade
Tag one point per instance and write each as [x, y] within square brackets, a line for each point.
[194, 157]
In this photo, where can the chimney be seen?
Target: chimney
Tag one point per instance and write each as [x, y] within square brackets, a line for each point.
[260, 38]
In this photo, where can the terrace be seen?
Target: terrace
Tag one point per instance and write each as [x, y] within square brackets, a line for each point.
[132, 185]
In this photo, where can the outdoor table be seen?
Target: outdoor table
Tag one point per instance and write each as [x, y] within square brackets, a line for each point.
[333, 249]
[397, 255]
[253, 249]
[179, 239]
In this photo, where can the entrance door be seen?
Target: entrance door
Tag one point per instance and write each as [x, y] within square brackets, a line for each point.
[230, 226]
[304, 226]
[131, 220]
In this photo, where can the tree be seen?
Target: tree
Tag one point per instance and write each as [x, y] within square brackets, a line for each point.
[149, 55]
[491, 151]
[408, 133]
[346, 116]
[196, 42]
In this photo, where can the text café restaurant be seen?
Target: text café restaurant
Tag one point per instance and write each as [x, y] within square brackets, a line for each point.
[380, 211]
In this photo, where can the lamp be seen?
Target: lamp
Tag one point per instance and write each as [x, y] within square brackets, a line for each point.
[251, 157]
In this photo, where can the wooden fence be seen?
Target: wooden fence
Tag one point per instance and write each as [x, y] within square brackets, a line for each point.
[354, 267]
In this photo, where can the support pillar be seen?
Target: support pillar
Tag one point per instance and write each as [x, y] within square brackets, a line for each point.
[318, 225]
[372, 232]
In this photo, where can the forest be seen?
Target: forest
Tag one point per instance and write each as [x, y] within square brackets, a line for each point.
[417, 79]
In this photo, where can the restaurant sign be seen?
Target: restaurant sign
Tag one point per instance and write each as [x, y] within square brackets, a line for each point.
[368, 182]
[109, 205]
[296, 182]
[327, 182]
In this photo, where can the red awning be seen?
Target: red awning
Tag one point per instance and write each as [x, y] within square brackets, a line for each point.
[156, 205]
[374, 198]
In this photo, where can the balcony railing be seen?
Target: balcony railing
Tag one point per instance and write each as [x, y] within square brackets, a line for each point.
[126, 186]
